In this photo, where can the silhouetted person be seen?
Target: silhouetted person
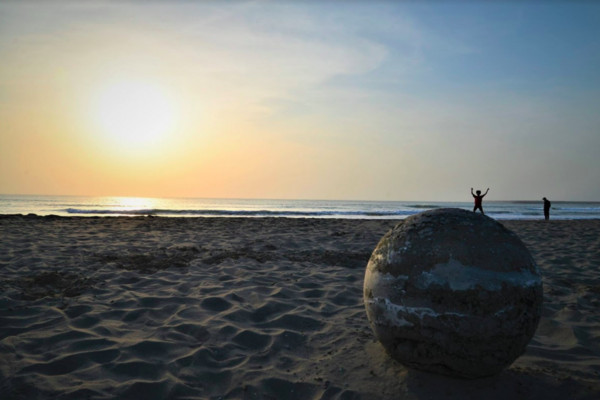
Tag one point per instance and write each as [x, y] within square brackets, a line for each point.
[547, 205]
[479, 199]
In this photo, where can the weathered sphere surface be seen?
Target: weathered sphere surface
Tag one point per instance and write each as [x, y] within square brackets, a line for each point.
[453, 292]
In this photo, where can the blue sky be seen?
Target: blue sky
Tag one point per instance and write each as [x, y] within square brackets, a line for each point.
[344, 100]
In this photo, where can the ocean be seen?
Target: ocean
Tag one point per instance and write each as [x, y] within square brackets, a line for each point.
[190, 207]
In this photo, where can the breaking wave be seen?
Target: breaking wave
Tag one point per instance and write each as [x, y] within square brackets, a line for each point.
[243, 213]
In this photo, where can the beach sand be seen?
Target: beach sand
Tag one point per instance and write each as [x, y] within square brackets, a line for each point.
[254, 308]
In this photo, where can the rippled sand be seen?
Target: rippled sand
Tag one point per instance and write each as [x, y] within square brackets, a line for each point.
[253, 308]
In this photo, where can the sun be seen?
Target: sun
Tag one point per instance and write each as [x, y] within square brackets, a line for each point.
[134, 114]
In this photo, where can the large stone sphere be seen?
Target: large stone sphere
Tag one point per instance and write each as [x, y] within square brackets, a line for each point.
[453, 292]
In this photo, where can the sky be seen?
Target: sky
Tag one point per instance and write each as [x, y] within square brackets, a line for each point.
[346, 100]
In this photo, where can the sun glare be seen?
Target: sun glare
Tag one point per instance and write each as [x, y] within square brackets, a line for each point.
[132, 203]
[134, 114]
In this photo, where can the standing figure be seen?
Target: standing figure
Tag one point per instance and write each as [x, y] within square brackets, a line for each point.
[547, 205]
[479, 200]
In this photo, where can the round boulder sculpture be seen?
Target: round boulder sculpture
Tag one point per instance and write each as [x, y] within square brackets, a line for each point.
[453, 292]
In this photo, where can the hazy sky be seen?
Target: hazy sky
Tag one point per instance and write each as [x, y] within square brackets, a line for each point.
[301, 99]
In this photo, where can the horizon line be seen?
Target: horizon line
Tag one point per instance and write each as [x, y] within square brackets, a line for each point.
[467, 200]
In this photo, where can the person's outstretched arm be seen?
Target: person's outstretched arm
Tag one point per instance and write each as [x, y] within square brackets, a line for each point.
[488, 189]
[472, 192]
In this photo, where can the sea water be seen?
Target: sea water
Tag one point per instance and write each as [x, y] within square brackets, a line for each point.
[192, 207]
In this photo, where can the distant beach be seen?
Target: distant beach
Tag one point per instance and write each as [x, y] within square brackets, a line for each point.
[254, 308]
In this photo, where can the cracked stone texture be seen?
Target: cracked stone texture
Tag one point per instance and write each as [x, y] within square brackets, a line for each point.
[453, 292]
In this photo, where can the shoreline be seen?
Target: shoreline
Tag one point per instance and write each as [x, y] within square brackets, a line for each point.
[106, 206]
[237, 217]
[254, 307]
